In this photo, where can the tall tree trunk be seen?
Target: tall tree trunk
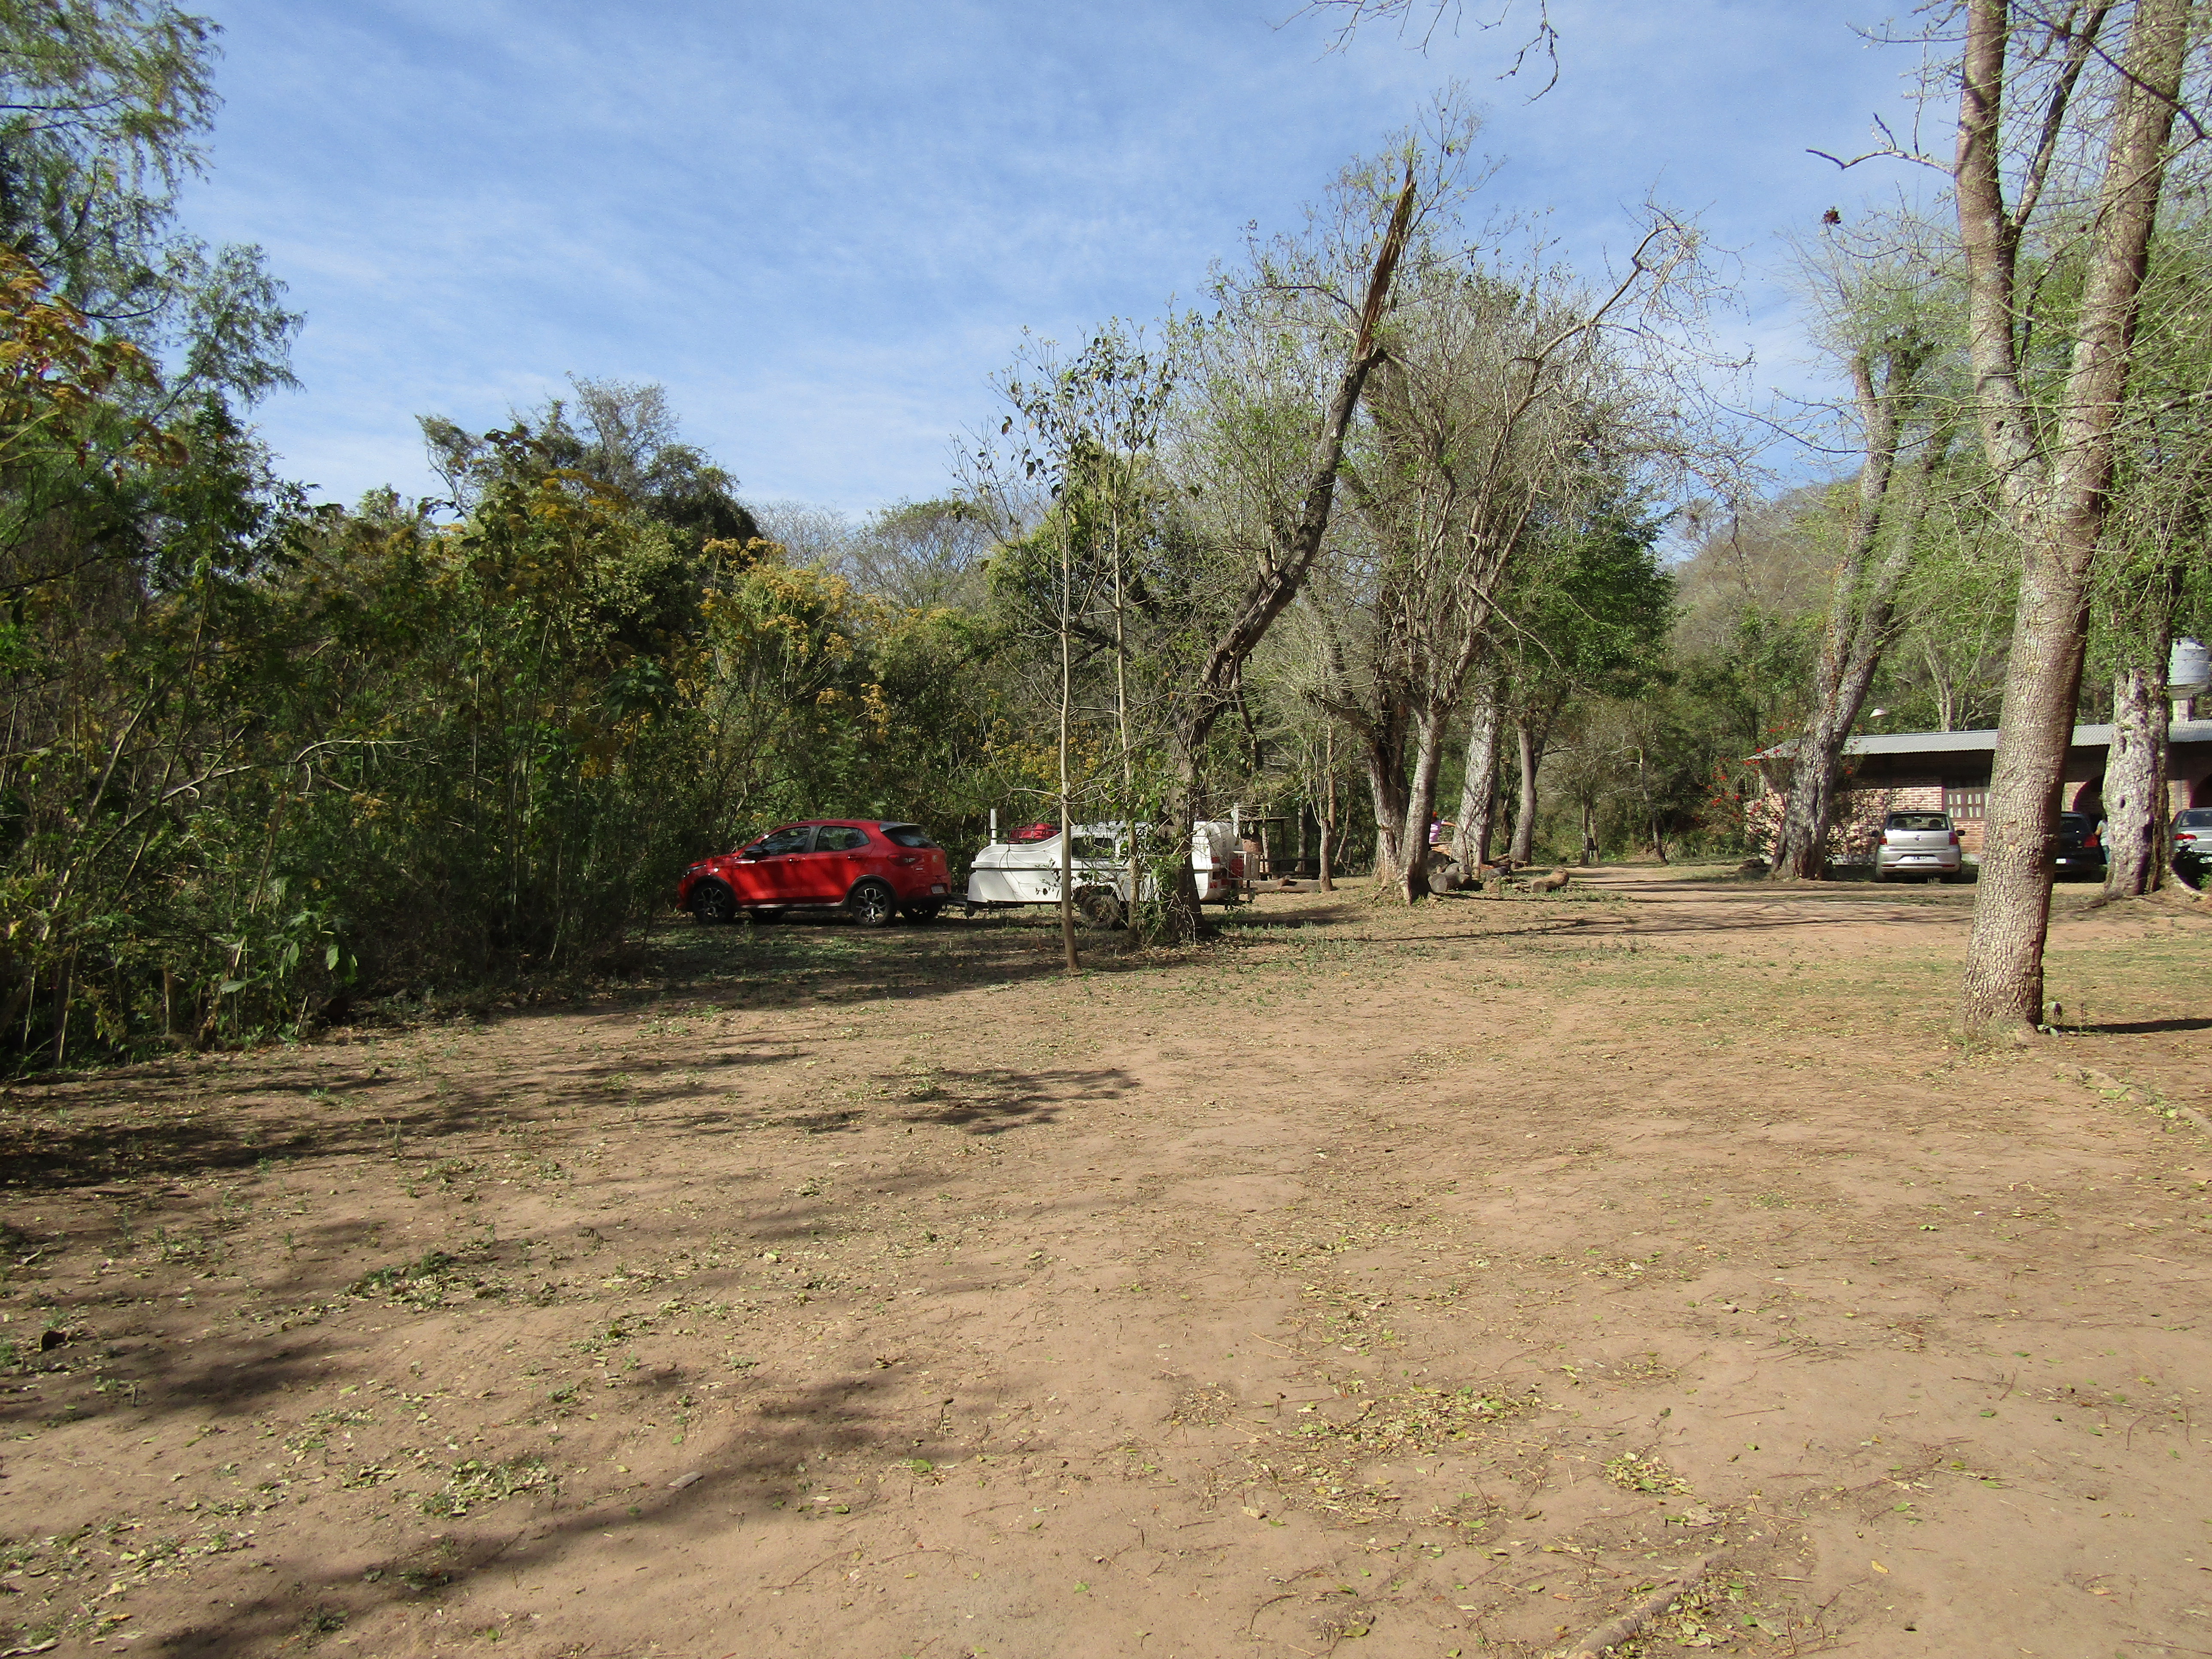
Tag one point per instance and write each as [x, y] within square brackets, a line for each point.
[1530, 742]
[1328, 817]
[1802, 850]
[1412, 881]
[1478, 790]
[1650, 811]
[1590, 834]
[1136, 868]
[1860, 622]
[1069, 960]
[2135, 781]
[2054, 490]
[1291, 551]
[1384, 750]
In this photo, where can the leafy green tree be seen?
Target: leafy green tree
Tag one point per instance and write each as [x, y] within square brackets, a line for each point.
[1588, 616]
[105, 107]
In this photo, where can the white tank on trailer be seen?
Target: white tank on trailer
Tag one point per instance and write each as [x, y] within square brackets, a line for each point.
[2189, 668]
[1024, 868]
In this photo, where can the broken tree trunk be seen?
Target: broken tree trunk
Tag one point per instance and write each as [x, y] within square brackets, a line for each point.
[2134, 781]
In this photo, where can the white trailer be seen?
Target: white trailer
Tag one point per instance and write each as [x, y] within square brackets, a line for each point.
[1019, 872]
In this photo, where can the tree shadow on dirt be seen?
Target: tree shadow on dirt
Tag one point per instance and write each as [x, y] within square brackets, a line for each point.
[991, 1100]
[1243, 921]
[748, 1478]
[797, 965]
[1659, 925]
[2139, 1027]
[307, 1307]
[149, 1125]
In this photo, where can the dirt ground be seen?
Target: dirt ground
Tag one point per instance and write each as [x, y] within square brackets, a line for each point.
[1436, 1283]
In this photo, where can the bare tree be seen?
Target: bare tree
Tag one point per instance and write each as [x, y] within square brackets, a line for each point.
[1417, 22]
[921, 556]
[1263, 467]
[1503, 399]
[1892, 345]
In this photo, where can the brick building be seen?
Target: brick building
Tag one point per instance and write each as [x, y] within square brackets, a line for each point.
[1887, 771]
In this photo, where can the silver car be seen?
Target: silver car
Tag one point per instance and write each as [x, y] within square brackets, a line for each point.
[1920, 846]
[2192, 840]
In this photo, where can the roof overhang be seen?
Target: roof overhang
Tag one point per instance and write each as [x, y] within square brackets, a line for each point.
[1894, 753]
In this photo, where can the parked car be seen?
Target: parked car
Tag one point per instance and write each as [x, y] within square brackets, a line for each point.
[876, 871]
[2192, 842]
[1921, 845]
[2081, 849]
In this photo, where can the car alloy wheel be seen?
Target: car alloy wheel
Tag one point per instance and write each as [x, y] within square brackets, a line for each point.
[872, 905]
[713, 904]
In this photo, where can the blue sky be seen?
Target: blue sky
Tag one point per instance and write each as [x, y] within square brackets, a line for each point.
[823, 227]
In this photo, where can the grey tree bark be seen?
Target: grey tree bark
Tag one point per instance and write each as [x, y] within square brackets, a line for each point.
[1478, 790]
[1328, 817]
[1529, 742]
[1384, 734]
[1861, 620]
[1421, 804]
[1070, 962]
[1292, 549]
[2134, 781]
[2052, 487]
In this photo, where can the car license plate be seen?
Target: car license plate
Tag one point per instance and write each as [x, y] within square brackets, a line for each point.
[937, 887]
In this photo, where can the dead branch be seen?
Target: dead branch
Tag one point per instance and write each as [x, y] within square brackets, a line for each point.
[1610, 1635]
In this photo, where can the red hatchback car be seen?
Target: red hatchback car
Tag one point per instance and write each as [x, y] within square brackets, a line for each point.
[877, 870]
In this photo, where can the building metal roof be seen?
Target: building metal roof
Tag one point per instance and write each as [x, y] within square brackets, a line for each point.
[1977, 742]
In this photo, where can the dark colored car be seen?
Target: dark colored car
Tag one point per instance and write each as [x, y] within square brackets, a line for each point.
[876, 871]
[2080, 852]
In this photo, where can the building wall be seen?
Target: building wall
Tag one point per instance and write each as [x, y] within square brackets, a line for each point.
[2190, 784]
[1857, 824]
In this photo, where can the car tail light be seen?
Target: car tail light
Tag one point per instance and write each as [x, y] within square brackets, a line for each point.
[1954, 838]
[2089, 840]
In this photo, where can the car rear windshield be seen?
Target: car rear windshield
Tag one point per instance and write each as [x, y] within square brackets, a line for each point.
[2197, 817]
[908, 835]
[1918, 821]
[2073, 823]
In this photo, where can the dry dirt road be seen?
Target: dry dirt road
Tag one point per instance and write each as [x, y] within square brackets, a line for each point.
[1365, 1282]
